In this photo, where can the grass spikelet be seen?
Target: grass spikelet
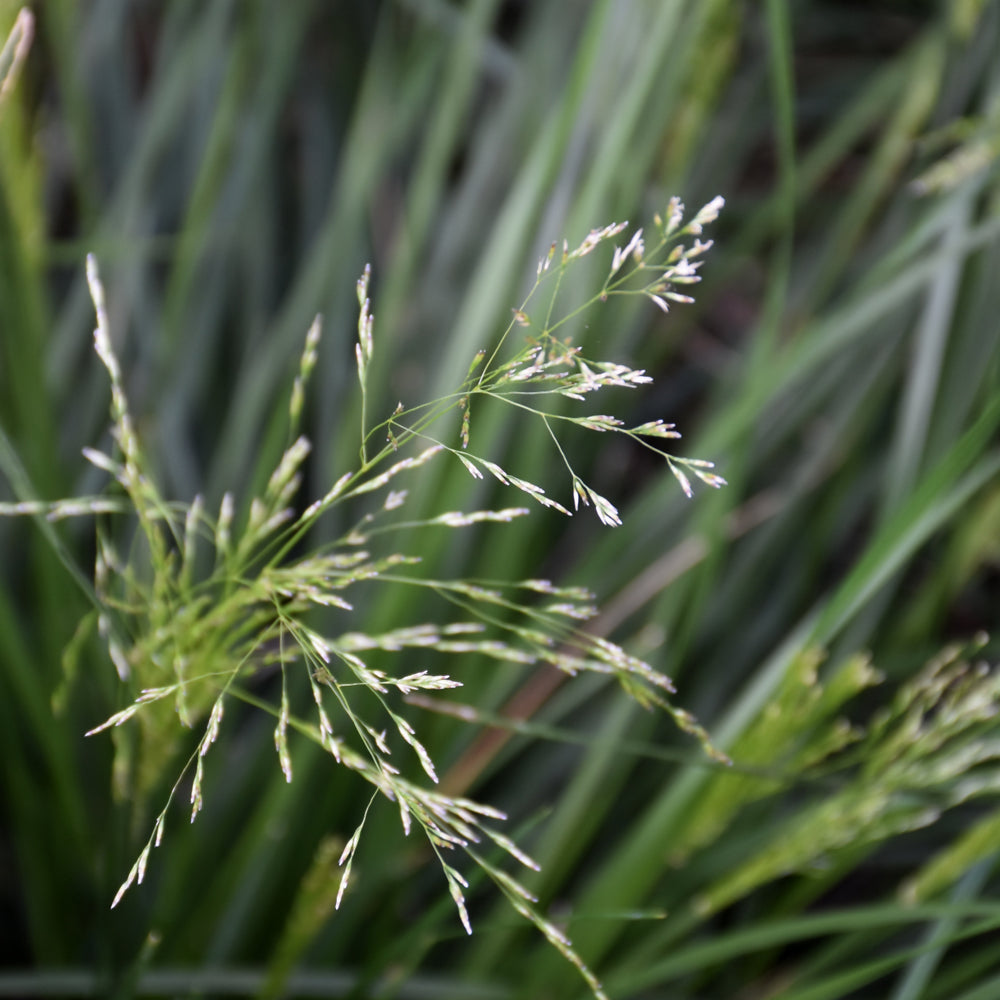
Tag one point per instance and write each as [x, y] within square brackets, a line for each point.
[682, 479]
[377, 482]
[306, 365]
[115, 720]
[408, 734]
[283, 482]
[347, 859]
[455, 885]
[281, 729]
[457, 519]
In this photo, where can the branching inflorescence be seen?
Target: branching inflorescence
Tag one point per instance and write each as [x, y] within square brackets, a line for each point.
[188, 628]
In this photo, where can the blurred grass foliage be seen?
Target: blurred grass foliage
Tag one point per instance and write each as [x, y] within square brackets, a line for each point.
[233, 165]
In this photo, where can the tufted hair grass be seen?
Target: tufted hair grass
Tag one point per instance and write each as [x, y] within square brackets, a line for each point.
[188, 630]
[824, 614]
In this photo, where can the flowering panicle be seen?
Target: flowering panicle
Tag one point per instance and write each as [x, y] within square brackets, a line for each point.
[189, 627]
[548, 365]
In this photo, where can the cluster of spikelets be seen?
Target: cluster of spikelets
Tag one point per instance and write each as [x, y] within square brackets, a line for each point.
[204, 603]
[932, 749]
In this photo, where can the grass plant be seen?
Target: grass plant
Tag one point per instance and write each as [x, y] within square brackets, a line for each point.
[825, 616]
[187, 643]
